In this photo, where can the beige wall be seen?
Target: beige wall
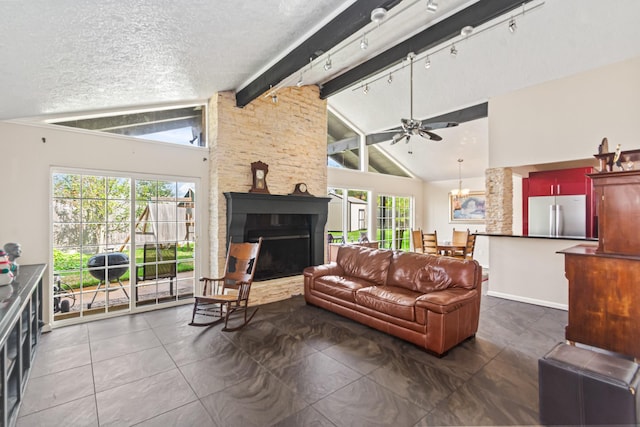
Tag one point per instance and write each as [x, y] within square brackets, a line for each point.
[561, 120]
[27, 163]
[566, 119]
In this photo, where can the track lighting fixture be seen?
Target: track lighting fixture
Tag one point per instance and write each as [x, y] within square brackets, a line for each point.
[427, 62]
[327, 64]
[274, 98]
[432, 6]
[364, 43]
[299, 83]
[453, 51]
[512, 25]
[365, 89]
[378, 15]
[466, 31]
[390, 79]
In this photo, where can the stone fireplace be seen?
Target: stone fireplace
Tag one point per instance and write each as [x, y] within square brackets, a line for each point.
[292, 228]
[290, 137]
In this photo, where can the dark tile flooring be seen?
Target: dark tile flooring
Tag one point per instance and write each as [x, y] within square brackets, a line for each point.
[294, 365]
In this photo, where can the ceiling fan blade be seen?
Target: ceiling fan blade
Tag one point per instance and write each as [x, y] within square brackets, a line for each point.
[429, 135]
[398, 137]
[438, 125]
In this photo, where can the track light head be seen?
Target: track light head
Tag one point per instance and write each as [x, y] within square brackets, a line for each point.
[432, 6]
[466, 31]
[274, 98]
[390, 78]
[427, 62]
[365, 89]
[512, 25]
[327, 64]
[364, 43]
[453, 51]
[299, 83]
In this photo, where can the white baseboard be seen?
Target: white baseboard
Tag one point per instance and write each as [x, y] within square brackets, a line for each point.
[534, 301]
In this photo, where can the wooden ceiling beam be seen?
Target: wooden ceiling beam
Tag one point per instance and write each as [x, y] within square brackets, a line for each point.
[439, 33]
[350, 21]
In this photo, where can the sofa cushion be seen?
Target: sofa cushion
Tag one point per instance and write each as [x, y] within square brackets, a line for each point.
[426, 273]
[340, 286]
[391, 300]
[365, 263]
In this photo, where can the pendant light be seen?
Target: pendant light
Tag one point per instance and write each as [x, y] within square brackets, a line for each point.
[459, 192]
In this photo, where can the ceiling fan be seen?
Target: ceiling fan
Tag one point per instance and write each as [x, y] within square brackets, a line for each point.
[411, 126]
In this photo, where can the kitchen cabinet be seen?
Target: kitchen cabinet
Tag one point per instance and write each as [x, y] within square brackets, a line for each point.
[564, 182]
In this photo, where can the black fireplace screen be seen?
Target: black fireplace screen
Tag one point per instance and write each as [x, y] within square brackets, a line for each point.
[286, 244]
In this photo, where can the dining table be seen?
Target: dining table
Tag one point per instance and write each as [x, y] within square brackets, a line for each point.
[448, 248]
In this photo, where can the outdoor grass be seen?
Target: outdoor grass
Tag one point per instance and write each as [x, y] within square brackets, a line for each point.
[72, 266]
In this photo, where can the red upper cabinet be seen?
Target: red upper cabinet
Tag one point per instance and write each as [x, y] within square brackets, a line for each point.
[562, 182]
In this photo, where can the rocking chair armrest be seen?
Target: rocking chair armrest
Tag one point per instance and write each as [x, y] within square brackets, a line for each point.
[215, 284]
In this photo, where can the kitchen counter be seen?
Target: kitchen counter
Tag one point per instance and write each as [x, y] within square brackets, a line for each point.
[529, 268]
[520, 236]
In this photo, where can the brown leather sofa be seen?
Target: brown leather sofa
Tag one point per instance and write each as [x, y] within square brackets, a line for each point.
[432, 301]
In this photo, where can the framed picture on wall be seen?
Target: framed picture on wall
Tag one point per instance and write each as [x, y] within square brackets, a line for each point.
[467, 208]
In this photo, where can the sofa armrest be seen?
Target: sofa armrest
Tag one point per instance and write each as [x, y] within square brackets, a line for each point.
[447, 300]
[331, 269]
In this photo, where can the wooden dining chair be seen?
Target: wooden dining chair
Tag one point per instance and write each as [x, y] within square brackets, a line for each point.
[416, 238]
[459, 238]
[228, 294]
[430, 243]
[471, 244]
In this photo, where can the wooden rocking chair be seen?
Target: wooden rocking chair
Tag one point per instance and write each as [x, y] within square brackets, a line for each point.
[229, 294]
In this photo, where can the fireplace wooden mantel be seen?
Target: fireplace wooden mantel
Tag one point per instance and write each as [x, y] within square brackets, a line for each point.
[239, 205]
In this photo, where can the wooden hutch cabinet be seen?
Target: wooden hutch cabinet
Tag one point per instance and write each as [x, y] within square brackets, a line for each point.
[604, 279]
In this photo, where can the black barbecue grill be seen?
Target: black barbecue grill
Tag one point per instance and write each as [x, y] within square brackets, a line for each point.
[108, 268]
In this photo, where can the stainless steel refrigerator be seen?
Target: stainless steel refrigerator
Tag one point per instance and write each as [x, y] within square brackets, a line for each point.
[558, 216]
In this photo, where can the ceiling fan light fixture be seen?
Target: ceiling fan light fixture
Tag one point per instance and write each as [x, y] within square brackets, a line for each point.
[432, 6]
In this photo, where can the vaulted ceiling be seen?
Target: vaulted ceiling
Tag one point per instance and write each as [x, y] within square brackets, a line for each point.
[68, 57]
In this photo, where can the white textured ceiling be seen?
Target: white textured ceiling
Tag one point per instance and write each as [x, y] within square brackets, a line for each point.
[81, 55]
[70, 56]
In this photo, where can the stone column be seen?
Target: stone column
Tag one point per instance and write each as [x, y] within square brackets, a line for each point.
[499, 202]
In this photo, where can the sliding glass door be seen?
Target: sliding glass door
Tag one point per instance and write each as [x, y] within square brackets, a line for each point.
[120, 242]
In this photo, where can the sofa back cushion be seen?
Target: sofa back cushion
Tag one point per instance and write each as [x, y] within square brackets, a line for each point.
[427, 273]
[364, 263]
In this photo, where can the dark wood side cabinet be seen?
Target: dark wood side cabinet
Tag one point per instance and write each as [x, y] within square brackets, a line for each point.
[604, 299]
[604, 279]
[20, 326]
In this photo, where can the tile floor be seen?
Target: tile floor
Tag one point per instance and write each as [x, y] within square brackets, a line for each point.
[295, 365]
